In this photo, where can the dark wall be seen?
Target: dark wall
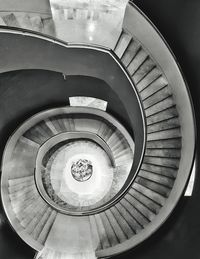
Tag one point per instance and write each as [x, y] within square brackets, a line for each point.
[179, 23]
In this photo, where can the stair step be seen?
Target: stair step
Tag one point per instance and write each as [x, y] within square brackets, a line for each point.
[165, 134]
[158, 188]
[45, 231]
[118, 146]
[36, 232]
[166, 162]
[25, 149]
[105, 132]
[37, 215]
[128, 232]
[126, 154]
[163, 115]
[123, 169]
[153, 206]
[130, 52]
[19, 205]
[44, 129]
[115, 138]
[28, 142]
[102, 232]
[157, 97]
[128, 201]
[60, 122]
[26, 212]
[122, 44]
[121, 237]
[16, 201]
[21, 196]
[131, 221]
[166, 181]
[149, 79]
[56, 124]
[113, 240]
[88, 125]
[164, 125]
[120, 176]
[165, 104]
[36, 134]
[137, 61]
[51, 127]
[165, 171]
[124, 160]
[170, 153]
[22, 161]
[63, 124]
[153, 88]
[165, 143]
[20, 186]
[21, 192]
[154, 196]
[18, 181]
[139, 215]
[23, 168]
[69, 124]
[144, 69]
[31, 225]
[140, 206]
[31, 215]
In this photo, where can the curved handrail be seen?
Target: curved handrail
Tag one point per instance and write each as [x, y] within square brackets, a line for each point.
[63, 137]
[68, 110]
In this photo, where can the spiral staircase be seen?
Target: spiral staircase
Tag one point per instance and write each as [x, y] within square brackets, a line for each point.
[79, 180]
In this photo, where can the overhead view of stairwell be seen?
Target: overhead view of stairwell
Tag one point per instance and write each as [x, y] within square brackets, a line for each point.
[99, 140]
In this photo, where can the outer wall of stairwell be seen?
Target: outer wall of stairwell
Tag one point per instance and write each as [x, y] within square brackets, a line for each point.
[32, 15]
